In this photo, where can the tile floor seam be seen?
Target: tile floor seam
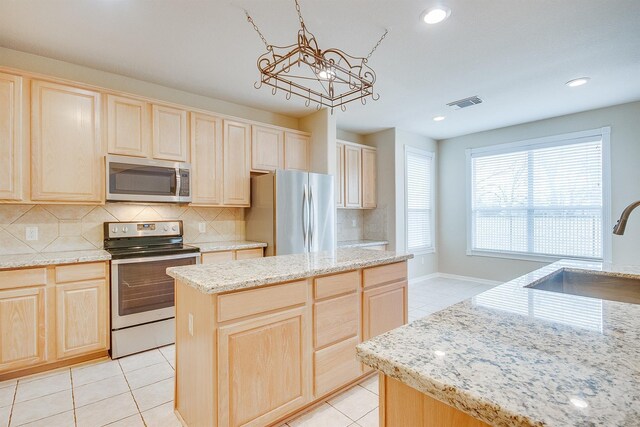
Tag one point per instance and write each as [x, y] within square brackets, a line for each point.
[327, 402]
[13, 402]
[73, 399]
[39, 419]
[374, 409]
[100, 400]
[132, 395]
[143, 367]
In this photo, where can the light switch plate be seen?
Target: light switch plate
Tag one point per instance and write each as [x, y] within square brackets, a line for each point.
[202, 227]
[31, 233]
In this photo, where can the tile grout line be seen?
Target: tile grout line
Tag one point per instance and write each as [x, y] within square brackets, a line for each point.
[73, 399]
[132, 396]
[13, 402]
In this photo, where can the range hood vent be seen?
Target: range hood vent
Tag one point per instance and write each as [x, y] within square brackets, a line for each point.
[464, 103]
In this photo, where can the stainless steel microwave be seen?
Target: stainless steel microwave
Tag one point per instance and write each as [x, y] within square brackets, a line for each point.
[132, 179]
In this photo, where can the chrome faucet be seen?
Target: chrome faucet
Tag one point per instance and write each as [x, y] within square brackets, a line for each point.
[622, 222]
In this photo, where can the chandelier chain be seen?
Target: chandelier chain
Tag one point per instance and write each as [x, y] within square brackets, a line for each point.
[378, 44]
[255, 27]
[299, 14]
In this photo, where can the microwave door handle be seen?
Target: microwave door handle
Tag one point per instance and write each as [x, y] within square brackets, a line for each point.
[178, 179]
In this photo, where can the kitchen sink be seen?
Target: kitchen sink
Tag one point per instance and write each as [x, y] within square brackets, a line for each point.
[594, 285]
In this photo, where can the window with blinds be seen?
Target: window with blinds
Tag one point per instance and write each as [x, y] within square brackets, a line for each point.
[543, 197]
[419, 199]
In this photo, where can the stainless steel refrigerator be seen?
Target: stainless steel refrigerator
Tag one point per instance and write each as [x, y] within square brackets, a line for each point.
[293, 212]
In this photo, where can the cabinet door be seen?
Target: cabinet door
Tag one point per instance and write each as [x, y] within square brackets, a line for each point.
[352, 173]
[267, 148]
[237, 163]
[206, 146]
[22, 328]
[264, 368]
[217, 257]
[296, 151]
[369, 188]
[169, 133]
[249, 253]
[81, 318]
[334, 366]
[66, 149]
[384, 308]
[10, 137]
[340, 176]
[128, 126]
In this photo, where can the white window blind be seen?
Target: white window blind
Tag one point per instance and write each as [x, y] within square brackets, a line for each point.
[419, 199]
[540, 198]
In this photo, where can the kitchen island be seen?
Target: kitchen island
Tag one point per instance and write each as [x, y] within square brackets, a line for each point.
[260, 340]
[532, 352]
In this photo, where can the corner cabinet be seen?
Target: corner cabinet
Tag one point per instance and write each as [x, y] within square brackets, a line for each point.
[237, 163]
[356, 176]
[66, 155]
[11, 142]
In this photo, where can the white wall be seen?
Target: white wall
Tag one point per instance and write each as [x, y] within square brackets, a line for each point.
[77, 73]
[625, 176]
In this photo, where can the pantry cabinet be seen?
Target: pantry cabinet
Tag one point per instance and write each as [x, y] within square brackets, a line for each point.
[128, 126]
[207, 164]
[11, 142]
[66, 153]
[356, 176]
[169, 133]
[237, 163]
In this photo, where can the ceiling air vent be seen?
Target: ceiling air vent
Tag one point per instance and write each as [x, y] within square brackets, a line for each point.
[464, 103]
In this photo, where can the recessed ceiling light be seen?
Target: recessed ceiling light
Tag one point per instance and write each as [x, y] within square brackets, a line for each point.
[578, 82]
[436, 14]
[439, 118]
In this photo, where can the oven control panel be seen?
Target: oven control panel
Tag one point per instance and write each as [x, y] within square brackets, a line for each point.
[114, 230]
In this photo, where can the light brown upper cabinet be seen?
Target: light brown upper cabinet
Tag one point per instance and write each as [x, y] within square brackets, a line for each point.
[352, 176]
[169, 133]
[236, 163]
[128, 126]
[267, 148]
[296, 151]
[339, 175]
[10, 137]
[206, 149]
[356, 176]
[369, 199]
[66, 155]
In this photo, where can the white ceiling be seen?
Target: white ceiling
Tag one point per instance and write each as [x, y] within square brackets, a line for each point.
[515, 54]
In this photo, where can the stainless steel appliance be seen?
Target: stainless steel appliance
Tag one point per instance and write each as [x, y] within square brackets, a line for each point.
[142, 294]
[293, 212]
[145, 180]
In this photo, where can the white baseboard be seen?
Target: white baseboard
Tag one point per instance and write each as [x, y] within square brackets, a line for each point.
[455, 277]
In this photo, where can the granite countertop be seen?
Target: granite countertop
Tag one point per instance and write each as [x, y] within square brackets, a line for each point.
[250, 273]
[361, 243]
[515, 356]
[228, 245]
[51, 258]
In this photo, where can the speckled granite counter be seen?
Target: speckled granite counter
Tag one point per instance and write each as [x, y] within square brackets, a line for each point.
[230, 245]
[361, 243]
[50, 258]
[515, 356]
[232, 275]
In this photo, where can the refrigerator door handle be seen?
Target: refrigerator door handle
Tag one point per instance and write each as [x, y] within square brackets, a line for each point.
[312, 218]
[305, 218]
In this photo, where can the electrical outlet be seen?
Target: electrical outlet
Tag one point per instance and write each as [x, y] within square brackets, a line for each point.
[190, 324]
[202, 227]
[31, 233]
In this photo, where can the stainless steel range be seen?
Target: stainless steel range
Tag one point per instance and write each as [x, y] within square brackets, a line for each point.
[142, 295]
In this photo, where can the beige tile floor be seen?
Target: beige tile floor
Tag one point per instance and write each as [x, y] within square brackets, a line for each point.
[138, 390]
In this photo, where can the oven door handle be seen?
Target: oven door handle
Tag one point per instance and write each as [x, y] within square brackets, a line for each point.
[195, 255]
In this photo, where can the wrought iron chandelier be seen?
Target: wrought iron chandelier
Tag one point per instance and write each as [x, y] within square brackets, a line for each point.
[330, 78]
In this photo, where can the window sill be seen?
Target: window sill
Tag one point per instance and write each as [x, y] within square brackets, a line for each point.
[526, 257]
[422, 251]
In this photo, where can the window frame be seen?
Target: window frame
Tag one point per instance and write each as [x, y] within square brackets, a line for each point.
[536, 143]
[408, 150]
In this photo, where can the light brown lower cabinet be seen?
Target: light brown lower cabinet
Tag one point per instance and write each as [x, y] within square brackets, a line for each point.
[255, 357]
[54, 315]
[222, 256]
[401, 405]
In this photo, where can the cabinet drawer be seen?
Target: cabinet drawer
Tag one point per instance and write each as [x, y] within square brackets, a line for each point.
[79, 272]
[246, 303]
[21, 278]
[335, 365]
[336, 319]
[337, 284]
[249, 253]
[385, 274]
[216, 257]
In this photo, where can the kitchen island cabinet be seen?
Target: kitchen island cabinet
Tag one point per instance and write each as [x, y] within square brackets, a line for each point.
[260, 340]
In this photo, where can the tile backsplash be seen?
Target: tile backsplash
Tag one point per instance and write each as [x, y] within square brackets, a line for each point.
[358, 224]
[80, 227]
